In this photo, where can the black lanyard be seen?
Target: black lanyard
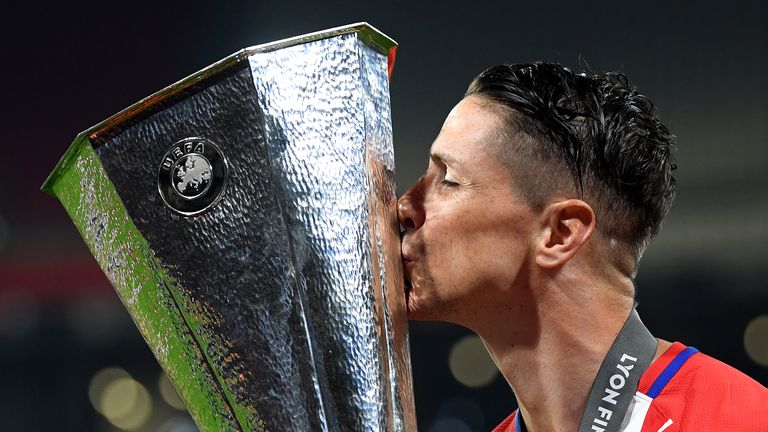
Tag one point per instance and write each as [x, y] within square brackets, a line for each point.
[616, 382]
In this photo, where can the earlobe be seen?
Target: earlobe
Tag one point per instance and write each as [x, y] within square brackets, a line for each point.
[567, 227]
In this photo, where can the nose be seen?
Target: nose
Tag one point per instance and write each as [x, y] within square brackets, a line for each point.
[410, 208]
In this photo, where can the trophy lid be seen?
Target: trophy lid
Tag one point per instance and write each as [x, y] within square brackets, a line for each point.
[103, 130]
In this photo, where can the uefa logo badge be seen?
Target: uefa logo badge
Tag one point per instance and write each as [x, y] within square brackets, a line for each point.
[192, 176]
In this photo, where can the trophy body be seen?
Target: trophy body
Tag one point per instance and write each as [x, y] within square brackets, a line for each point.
[246, 217]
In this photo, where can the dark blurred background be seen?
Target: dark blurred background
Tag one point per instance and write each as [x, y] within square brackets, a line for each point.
[71, 359]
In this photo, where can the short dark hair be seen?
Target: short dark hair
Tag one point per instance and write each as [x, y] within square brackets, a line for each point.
[592, 134]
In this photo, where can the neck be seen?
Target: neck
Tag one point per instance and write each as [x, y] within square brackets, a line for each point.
[559, 340]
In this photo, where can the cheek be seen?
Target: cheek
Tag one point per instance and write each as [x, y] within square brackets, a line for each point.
[476, 252]
[493, 257]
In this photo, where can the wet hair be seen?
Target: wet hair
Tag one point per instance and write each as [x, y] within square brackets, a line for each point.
[584, 134]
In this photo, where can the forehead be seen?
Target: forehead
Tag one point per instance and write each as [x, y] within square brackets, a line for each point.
[468, 133]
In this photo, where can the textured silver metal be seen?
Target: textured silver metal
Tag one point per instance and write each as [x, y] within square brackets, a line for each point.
[292, 284]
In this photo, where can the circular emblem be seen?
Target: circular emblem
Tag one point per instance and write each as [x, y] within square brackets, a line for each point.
[192, 176]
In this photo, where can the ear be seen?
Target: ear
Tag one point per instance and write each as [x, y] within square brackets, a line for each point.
[567, 225]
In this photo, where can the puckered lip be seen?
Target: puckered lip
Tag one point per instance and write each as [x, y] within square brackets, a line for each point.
[407, 260]
[406, 254]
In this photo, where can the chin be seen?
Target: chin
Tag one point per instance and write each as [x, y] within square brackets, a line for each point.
[419, 316]
[414, 307]
[416, 315]
[423, 310]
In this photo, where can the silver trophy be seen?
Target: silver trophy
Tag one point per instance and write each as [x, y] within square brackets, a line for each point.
[246, 217]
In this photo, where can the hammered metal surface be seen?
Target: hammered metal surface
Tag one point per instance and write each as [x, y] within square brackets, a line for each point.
[291, 285]
[385, 227]
[328, 131]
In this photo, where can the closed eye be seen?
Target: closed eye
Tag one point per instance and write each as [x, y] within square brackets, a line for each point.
[448, 183]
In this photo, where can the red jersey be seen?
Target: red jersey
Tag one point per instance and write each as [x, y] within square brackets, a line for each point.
[687, 391]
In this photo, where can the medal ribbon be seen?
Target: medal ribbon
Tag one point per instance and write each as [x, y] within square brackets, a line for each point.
[616, 382]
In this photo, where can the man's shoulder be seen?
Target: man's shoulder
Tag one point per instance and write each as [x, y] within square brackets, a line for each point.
[685, 390]
[697, 392]
[702, 374]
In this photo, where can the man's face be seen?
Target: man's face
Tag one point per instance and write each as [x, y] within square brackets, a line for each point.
[467, 236]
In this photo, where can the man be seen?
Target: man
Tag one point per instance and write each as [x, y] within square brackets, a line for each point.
[542, 192]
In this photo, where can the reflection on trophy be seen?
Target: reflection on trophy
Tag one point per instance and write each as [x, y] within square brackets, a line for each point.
[246, 218]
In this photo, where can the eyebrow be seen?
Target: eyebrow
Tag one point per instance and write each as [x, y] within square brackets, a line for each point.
[445, 159]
